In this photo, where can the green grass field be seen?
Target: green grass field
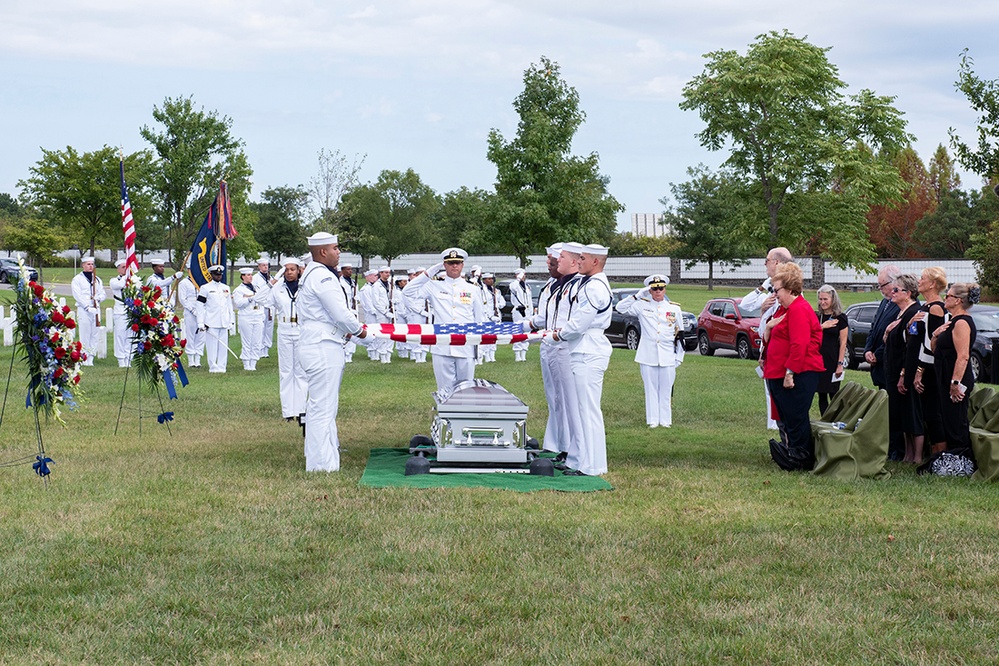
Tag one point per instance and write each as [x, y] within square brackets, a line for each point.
[214, 546]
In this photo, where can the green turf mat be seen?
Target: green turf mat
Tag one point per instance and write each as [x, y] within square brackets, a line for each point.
[387, 469]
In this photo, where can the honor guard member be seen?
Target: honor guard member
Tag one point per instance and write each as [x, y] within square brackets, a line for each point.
[381, 300]
[589, 355]
[523, 308]
[248, 304]
[262, 282]
[192, 325]
[160, 279]
[293, 383]
[454, 300]
[219, 319]
[326, 322]
[422, 316]
[660, 348]
[492, 306]
[122, 332]
[401, 312]
[564, 430]
[367, 308]
[88, 290]
[350, 284]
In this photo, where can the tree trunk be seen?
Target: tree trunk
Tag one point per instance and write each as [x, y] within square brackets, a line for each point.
[711, 275]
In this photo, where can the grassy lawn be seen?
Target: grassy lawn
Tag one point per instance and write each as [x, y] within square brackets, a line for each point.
[214, 545]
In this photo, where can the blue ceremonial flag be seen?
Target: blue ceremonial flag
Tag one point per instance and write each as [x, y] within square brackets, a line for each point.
[209, 245]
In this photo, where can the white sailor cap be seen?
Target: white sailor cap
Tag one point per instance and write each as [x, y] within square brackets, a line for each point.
[120, 263]
[400, 278]
[86, 259]
[487, 275]
[476, 269]
[217, 268]
[262, 261]
[420, 269]
[384, 269]
[520, 271]
[294, 260]
[370, 271]
[346, 264]
[575, 248]
[595, 249]
[453, 255]
[321, 238]
[554, 250]
[656, 280]
[246, 271]
[157, 262]
[417, 269]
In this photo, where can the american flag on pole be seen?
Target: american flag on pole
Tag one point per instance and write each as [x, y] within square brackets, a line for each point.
[482, 333]
[128, 225]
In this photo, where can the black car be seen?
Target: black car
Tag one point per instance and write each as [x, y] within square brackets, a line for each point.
[987, 325]
[860, 318]
[504, 288]
[9, 271]
[627, 330]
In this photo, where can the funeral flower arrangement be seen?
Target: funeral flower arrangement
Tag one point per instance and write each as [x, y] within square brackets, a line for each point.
[45, 333]
[156, 336]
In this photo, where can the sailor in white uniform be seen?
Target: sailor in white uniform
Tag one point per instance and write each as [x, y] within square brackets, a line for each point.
[292, 381]
[122, 332]
[248, 302]
[400, 312]
[350, 284]
[326, 322]
[523, 308]
[261, 281]
[367, 311]
[160, 279]
[192, 324]
[219, 319]
[454, 301]
[418, 352]
[88, 290]
[492, 307]
[660, 348]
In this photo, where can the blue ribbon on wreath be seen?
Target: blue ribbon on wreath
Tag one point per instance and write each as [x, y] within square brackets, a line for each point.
[164, 417]
[181, 373]
[42, 466]
[168, 382]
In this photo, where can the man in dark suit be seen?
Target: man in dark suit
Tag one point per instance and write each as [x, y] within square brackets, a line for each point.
[874, 351]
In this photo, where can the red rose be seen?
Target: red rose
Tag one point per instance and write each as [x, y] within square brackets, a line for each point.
[157, 292]
[59, 372]
[147, 345]
[145, 289]
[137, 302]
[183, 342]
[176, 319]
[76, 380]
[60, 353]
[151, 304]
[70, 323]
[65, 309]
[168, 340]
[135, 328]
[38, 289]
[57, 317]
[55, 337]
[153, 321]
[74, 356]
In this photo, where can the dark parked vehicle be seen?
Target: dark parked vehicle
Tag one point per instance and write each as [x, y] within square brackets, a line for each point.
[987, 325]
[627, 330]
[9, 271]
[504, 288]
[860, 318]
[722, 324]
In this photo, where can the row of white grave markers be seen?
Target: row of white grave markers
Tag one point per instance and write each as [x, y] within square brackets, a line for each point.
[8, 324]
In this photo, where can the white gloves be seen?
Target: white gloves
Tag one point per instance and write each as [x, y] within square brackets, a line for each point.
[178, 275]
[435, 269]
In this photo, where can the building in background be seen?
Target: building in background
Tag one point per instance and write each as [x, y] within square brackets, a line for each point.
[648, 224]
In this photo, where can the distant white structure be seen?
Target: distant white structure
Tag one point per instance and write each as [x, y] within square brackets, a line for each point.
[648, 224]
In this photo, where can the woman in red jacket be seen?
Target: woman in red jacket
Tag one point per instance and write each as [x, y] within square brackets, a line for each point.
[792, 367]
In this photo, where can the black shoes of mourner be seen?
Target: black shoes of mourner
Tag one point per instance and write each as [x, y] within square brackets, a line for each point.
[790, 460]
[572, 472]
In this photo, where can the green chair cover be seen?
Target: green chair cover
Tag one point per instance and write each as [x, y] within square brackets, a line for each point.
[844, 396]
[856, 454]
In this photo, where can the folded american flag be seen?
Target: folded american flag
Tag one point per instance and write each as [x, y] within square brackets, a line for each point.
[483, 333]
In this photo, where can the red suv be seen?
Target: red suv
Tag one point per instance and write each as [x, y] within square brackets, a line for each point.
[722, 324]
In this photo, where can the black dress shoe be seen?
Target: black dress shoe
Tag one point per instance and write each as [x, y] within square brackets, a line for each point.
[573, 472]
[562, 455]
[560, 466]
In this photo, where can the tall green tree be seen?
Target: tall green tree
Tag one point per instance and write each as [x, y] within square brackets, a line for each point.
[707, 220]
[196, 150]
[391, 217]
[82, 192]
[943, 173]
[280, 226]
[463, 220]
[780, 110]
[544, 194]
[946, 232]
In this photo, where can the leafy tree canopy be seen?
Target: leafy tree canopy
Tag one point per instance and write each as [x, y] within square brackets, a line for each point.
[280, 221]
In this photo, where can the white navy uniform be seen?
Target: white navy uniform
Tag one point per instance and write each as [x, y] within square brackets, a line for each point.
[248, 303]
[294, 385]
[564, 430]
[752, 301]
[325, 320]
[523, 308]
[192, 326]
[492, 307]
[89, 296]
[380, 300]
[164, 282]
[659, 352]
[453, 301]
[400, 312]
[350, 287]
[218, 322]
[589, 355]
[122, 332]
[262, 281]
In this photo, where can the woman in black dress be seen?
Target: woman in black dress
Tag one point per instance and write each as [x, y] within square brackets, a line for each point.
[952, 344]
[904, 413]
[833, 349]
[932, 284]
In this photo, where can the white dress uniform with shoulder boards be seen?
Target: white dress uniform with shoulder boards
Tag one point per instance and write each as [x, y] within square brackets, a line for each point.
[294, 385]
[122, 332]
[192, 325]
[325, 320]
[248, 304]
[589, 355]
[262, 282]
[659, 351]
[88, 290]
[219, 320]
[453, 301]
[523, 308]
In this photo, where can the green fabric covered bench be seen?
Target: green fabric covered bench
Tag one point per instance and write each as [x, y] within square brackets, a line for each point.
[983, 415]
[860, 450]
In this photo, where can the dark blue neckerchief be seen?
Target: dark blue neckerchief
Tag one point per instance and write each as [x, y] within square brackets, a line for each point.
[292, 288]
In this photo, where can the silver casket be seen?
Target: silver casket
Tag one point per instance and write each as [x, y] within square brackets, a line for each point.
[479, 421]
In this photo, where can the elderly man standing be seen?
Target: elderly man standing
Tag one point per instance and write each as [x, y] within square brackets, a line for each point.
[326, 322]
[262, 282]
[874, 350]
[763, 297]
[454, 300]
[523, 308]
[589, 354]
[192, 326]
[88, 290]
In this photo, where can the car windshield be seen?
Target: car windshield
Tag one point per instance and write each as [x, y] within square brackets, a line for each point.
[755, 312]
[986, 321]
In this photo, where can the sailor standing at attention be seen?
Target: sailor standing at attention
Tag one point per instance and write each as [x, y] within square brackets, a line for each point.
[88, 290]
[350, 284]
[369, 315]
[218, 320]
[492, 306]
[247, 301]
[262, 281]
[523, 308]
[292, 381]
[122, 332]
[192, 326]
[326, 322]
[454, 300]
[161, 279]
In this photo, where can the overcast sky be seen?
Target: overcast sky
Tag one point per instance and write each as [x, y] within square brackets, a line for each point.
[419, 83]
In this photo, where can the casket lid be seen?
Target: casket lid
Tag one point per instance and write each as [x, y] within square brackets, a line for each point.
[480, 394]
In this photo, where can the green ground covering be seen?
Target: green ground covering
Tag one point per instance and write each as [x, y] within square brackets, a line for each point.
[214, 546]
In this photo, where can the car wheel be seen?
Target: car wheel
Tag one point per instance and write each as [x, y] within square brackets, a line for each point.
[852, 361]
[631, 337]
[704, 345]
[743, 348]
[976, 365]
[690, 345]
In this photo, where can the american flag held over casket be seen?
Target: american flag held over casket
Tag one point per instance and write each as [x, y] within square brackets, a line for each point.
[481, 333]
